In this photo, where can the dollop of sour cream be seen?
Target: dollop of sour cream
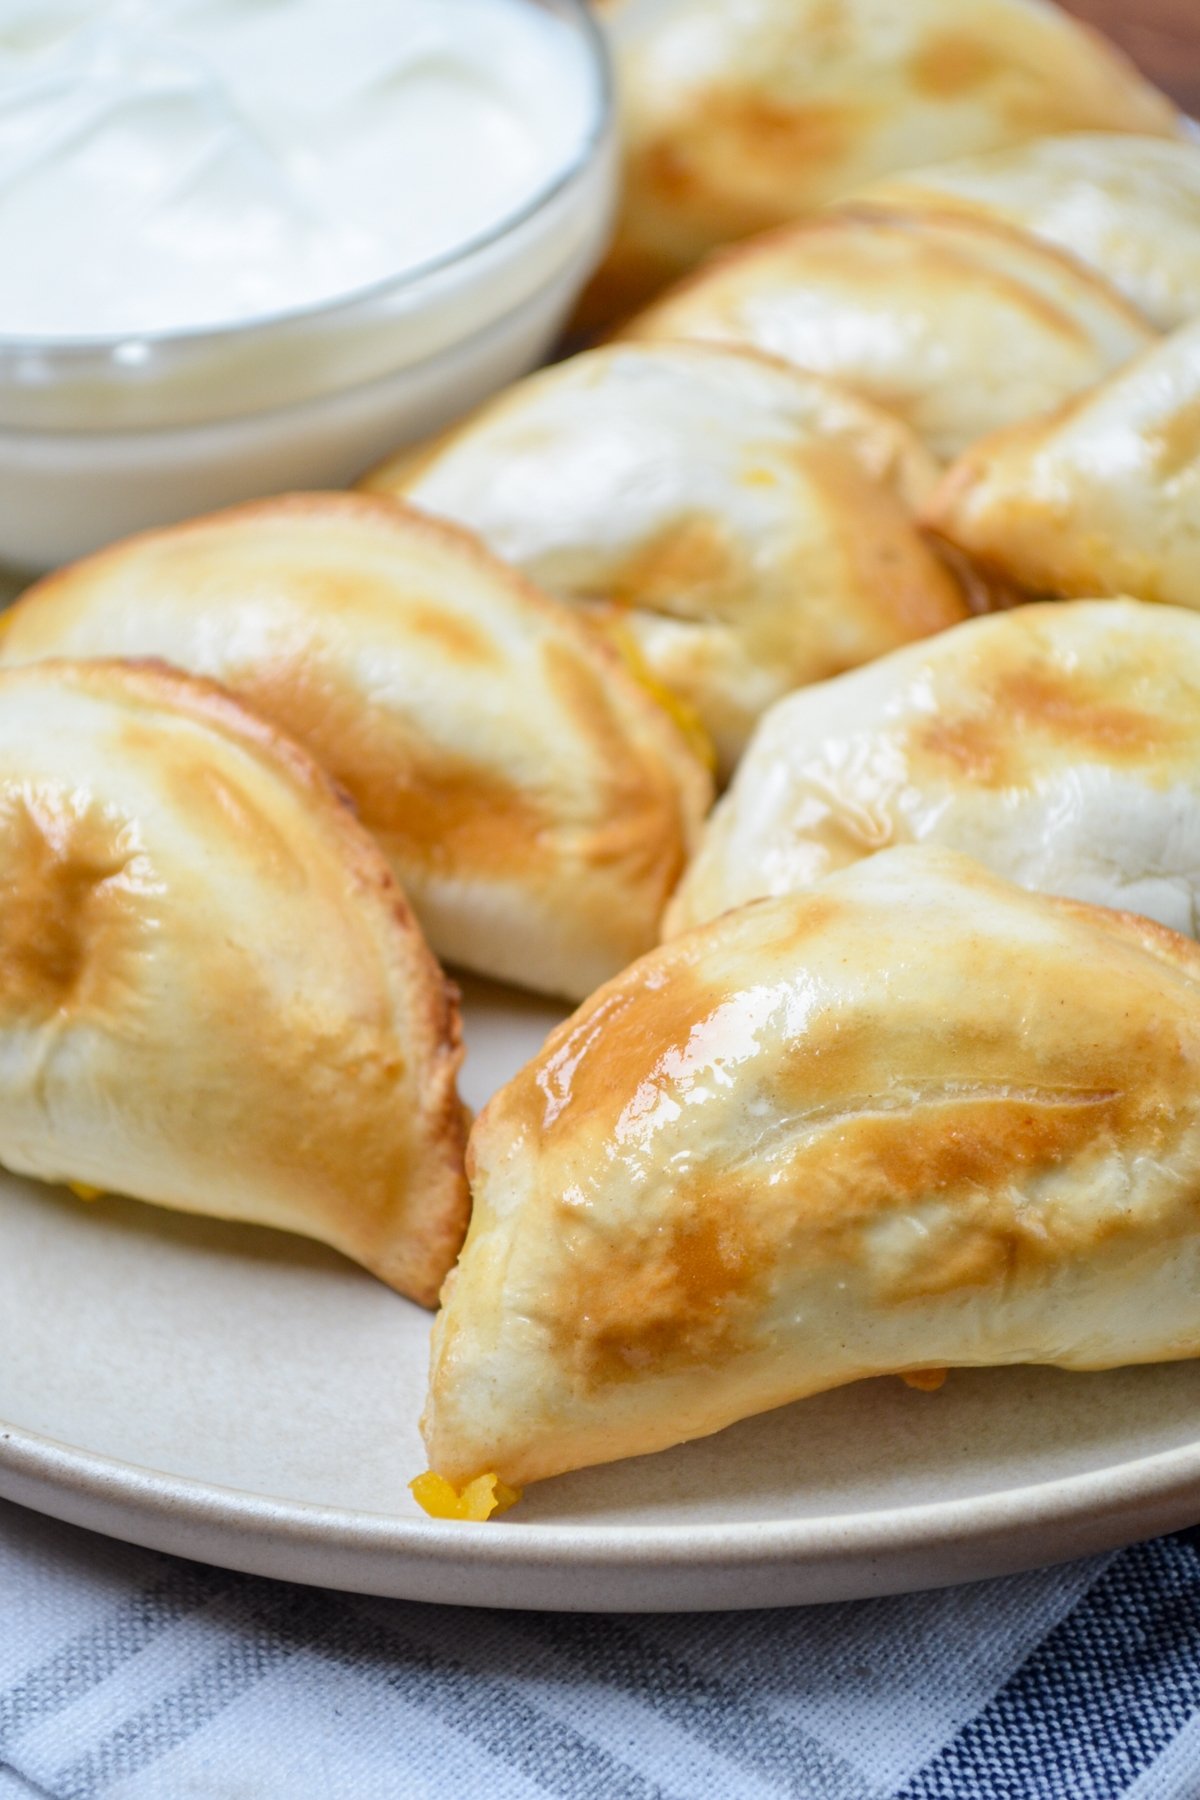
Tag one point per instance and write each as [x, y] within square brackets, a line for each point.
[177, 164]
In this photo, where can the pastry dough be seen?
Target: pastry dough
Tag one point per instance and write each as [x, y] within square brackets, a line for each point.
[958, 325]
[737, 115]
[1127, 206]
[1102, 497]
[746, 526]
[214, 996]
[914, 1119]
[1058, 744]
[536, 804]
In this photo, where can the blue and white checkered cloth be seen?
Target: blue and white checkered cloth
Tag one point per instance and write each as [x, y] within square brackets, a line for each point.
[132, 1676]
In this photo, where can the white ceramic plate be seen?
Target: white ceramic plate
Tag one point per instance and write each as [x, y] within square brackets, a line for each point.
[251, 1399]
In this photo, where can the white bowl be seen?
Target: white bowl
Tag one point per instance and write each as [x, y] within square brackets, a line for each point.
[103, 436]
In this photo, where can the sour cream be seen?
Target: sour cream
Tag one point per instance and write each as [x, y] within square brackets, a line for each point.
[254, 245]
[174, 165]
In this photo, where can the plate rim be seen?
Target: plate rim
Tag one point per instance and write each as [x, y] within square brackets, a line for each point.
[1118, 1490]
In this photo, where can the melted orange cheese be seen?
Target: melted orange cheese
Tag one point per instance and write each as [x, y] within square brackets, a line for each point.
[677, 709]
[926, 1381]
[477, 1501]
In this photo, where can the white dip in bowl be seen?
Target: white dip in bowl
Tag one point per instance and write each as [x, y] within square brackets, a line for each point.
[250, 245]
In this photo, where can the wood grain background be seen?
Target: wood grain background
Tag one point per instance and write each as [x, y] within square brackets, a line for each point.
[1162, 35]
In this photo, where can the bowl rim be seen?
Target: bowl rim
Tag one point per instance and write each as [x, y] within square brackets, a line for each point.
[115, 347]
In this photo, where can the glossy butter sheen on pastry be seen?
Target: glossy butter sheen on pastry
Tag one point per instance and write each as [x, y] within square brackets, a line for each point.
[536, 804]
[1059, 744]
[737, 115]
[746, 526]
[958, 325]
[1101, 497]
[1128, 206]
[916, 1118]
[213, 995]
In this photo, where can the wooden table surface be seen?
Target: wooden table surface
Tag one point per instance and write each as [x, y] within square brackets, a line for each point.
[1162, 35]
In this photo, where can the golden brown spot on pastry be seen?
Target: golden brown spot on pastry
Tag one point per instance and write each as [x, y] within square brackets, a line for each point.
[981, 1257]
[209, 797]
[747, 148]
[781, 132]
[976, 746]
[690, 561]
[426, 806]
[638, 821]
[664, 165]
[458, 817]
[615, 1044]
[905, 590]
[817, 913]
[1175, 442]
[955, 64]
[458, 639]
[992, 746]
[552, 1087]
[669, 1299]
[632, 1038]
[62, 906]
[976, 1156]
[1037, 697]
